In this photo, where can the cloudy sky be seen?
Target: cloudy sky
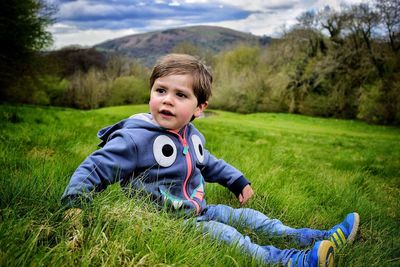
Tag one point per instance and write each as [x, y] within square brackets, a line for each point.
[89, 22]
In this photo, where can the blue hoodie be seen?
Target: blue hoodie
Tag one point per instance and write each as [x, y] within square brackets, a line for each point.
[148, 159]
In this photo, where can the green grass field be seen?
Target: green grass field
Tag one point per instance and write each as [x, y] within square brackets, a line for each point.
[307, 172]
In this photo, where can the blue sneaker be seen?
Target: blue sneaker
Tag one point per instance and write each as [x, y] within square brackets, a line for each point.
[321, 255]
[345, 232]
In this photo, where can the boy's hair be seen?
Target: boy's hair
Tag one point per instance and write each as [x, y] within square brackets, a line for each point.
[177, 64]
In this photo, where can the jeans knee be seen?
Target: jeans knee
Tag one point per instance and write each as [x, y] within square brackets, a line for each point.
[224, 208]
[216, 212]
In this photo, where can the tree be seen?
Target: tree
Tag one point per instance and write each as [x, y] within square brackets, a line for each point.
[333, 22]
[307, 20]
[194, 50]
[70, 60]
[363, 23]
[23, 32]
[364, 20]
[306, 29]
[389, 11]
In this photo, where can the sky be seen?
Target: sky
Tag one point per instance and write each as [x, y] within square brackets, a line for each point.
[89, 22]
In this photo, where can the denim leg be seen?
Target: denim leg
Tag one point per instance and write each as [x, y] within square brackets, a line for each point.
[229, 235]
[259, 222]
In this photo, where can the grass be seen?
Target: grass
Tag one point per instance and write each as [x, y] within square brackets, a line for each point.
[307, 172]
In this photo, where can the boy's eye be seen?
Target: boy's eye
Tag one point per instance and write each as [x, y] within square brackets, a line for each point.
[160, 90]
[182, 95]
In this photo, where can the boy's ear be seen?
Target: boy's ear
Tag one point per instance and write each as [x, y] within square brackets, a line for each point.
[200, 108]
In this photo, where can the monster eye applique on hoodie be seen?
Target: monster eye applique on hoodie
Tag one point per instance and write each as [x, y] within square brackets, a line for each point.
[164, 151]
[198, 148]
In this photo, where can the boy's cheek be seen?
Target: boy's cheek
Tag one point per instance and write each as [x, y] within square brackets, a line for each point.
[188, 115]
[152, 104]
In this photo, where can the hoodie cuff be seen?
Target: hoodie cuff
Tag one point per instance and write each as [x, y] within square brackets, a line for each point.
[237, 186]
[74, 201]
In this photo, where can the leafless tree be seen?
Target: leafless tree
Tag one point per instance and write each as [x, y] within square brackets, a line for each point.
[389, 11]
[333, 21]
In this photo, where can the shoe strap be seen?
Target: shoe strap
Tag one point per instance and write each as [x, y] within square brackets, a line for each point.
[338, 238]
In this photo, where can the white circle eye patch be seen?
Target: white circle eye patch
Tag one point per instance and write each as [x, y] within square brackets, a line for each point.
[198, 148]
[164, 151]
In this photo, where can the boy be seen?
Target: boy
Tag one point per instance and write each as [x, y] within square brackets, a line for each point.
[162, 155]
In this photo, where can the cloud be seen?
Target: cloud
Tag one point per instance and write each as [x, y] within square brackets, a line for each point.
[262, 5]
[262, 23]
[99, 14]
[65, 35]
[91, 21]
[271, 17]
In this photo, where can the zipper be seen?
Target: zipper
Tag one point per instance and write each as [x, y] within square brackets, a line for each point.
[189, 168]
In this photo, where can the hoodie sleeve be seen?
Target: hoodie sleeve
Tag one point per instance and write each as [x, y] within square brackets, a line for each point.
[116, 160]
[217, 170]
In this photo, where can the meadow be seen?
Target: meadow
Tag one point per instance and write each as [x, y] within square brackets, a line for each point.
[305, 171]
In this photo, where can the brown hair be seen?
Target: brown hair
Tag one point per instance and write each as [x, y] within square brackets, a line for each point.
[173, 64]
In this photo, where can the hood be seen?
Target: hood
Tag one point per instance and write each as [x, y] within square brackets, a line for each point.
[143, 120]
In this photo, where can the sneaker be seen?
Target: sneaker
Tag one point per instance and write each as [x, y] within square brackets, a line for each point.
[321, 255]
[345, 232]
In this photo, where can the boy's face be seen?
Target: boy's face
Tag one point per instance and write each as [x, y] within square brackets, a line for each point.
[172, 101]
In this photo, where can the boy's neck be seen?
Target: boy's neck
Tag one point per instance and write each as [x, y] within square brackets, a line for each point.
[181, 131]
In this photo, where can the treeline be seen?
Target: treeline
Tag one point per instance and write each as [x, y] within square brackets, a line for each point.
[82, 78]
[335, 64]
[342, 64]
[86, 79]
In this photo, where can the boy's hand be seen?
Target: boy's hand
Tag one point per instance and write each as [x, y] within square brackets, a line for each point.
[246, 194]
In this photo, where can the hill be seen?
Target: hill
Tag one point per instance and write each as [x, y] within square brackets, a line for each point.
[147, 47]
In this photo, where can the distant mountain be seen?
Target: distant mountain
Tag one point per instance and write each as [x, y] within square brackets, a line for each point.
[147, 47]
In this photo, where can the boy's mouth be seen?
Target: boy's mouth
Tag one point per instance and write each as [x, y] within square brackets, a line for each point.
[166, 113]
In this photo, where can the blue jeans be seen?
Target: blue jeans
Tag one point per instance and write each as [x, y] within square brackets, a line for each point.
[217, 221]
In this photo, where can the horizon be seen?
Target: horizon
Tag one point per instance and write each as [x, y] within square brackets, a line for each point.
[156, 31]
[88, 23]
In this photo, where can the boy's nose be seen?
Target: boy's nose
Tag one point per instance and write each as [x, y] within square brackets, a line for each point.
[167, 99]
